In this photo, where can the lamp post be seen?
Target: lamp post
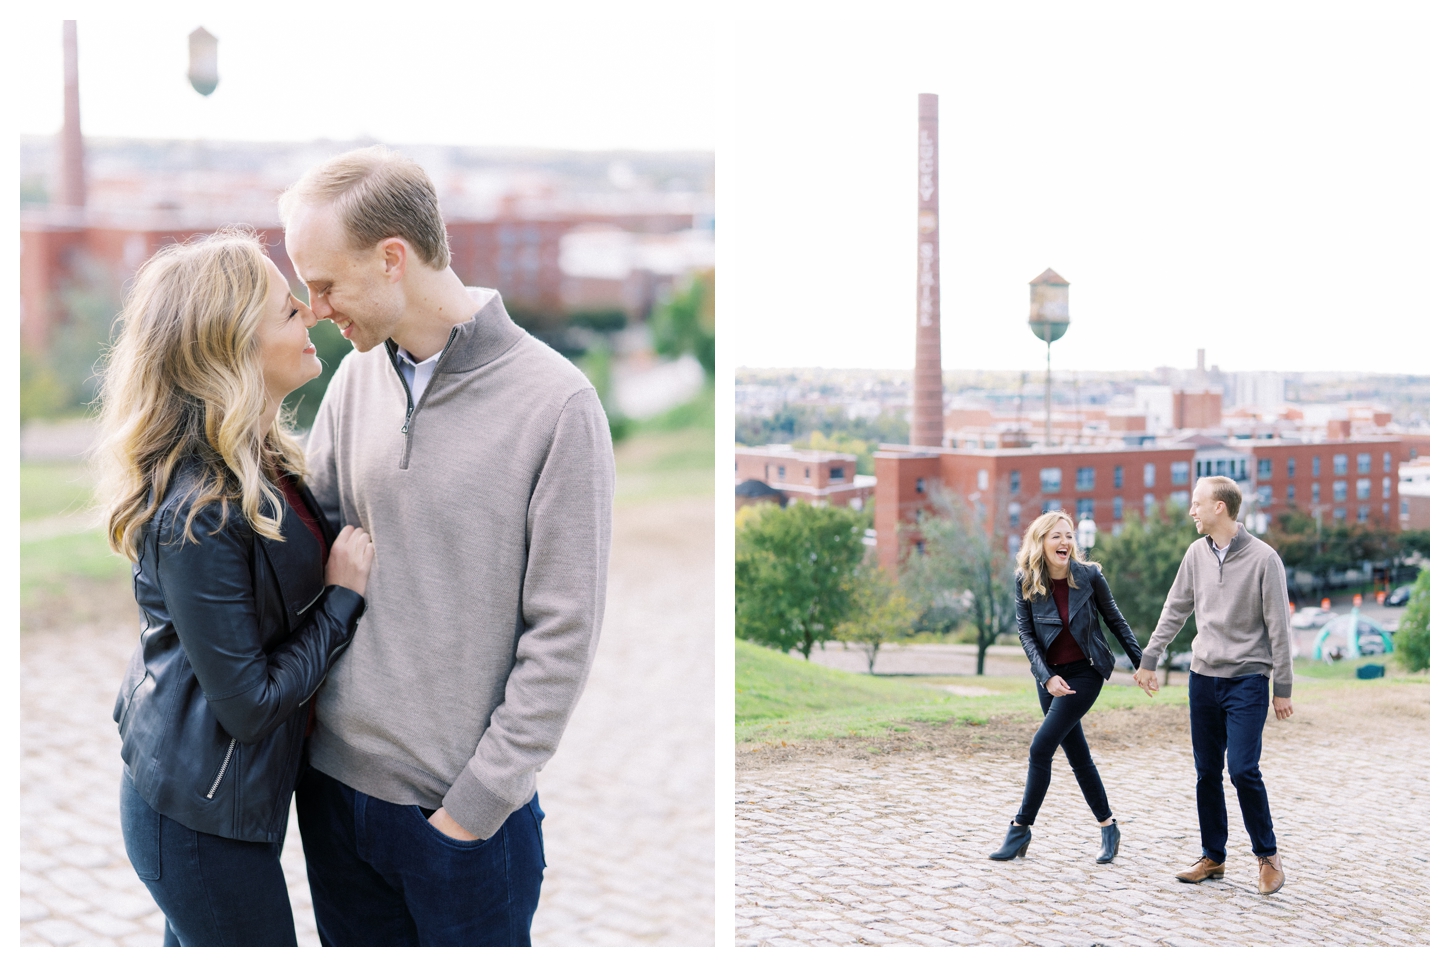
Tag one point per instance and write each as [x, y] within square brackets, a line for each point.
[1087, 535]
[1047, 315]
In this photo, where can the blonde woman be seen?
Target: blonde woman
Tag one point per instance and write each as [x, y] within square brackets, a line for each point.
[246, 595]
[1059, 600]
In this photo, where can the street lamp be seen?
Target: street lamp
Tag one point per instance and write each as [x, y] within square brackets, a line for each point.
[1087, 535]
[1047, 316]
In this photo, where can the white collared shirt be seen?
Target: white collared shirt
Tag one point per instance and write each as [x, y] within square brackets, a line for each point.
[417, 373]
[1218, 552]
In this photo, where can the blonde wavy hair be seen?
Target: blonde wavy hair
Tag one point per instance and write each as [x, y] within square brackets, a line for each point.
[1032, 555]
[184, 381]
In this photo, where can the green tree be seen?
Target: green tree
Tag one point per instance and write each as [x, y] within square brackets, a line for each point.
[1412, 641]
[1140, 563]
[879, 612]
[963, 566]
[794, 570]
[686, 323]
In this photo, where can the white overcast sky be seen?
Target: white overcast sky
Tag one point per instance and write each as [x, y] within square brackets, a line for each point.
[1272, 192]
[574, 83]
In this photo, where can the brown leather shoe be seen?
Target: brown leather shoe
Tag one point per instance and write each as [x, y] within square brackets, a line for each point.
[1204, 869]
[1271, 874]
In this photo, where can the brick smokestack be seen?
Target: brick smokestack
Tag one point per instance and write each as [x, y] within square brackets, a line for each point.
[926, 403]
[72, 149]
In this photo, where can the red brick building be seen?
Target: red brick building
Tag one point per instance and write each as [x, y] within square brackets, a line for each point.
[1013, 486]
[1355, 480]
[816, 476]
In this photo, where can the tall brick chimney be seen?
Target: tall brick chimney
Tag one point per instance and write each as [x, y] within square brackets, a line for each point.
[72, 149]
[926, 402]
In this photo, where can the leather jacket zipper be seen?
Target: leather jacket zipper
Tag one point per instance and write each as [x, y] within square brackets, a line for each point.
[223, 771]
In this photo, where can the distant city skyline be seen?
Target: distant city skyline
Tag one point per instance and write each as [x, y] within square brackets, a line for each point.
[1269, 190]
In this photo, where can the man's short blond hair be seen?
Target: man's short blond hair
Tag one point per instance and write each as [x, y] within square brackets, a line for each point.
[379, 194]
[1224, 489]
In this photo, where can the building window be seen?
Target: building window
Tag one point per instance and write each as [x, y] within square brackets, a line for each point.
[1363, 514]
[1341, 463]
[1316, 466]
[1289, 494]
[1385, 510]
[1339, 513]
[1014, 482]
[1179, 498]
[921, 485]
[1117, 476]
[1385, 489]
[808, 473]
[1314, 493]
[1341, 489]
[1289, 468]
[1014, 515]
[921, 547]
[1362, 463]
[838, 473]
[780, 472]
[1150, 475]
[1266, 469]
[1179, 471]
[981, 480]
[1265, 495]
[1149, 502]
[1414, 452]
[1014, 544]
[1117, 508]
[920, 513]
[1387, 461]
[1404, 508]
[1051, 479]
[1361, 489]
[1087, 478]
[1085, 507]
[1050, 505]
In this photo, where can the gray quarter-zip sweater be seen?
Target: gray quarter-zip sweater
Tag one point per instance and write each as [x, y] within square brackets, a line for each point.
[488, 500]
[1242, 609]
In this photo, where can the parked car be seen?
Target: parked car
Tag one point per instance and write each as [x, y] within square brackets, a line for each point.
[1311, 617]
[1399, 597]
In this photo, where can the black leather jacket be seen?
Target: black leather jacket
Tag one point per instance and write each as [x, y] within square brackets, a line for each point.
[1039, 623]
[238, 632]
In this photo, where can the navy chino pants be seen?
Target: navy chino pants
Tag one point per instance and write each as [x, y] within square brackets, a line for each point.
[1226, 718]
[383, 876]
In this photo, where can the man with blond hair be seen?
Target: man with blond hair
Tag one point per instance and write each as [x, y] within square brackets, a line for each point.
[1233, 583]
[480, 462]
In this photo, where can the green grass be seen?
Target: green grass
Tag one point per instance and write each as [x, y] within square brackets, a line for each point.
[1307, 670]
[780, 698]
[670, 455]
[51, 488]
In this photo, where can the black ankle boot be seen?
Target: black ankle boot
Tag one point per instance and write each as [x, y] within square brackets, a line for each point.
[1015, 844]
[1110, 842]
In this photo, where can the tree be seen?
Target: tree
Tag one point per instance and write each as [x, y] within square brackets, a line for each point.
[1412, 641]
[962, 566]
[686, 323]
[880, 612]
[1140, 563]
[794, 569]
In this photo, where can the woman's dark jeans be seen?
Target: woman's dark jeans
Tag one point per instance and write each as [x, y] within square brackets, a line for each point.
[1062, 726]
[214, 891]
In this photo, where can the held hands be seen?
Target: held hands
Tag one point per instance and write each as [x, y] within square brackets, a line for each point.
[1056, 686]
[445, 824]
[351, 559]
[1283, 708]
[1147, 680]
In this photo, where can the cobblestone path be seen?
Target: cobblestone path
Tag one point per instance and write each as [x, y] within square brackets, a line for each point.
[893, 850]
[628, 798]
